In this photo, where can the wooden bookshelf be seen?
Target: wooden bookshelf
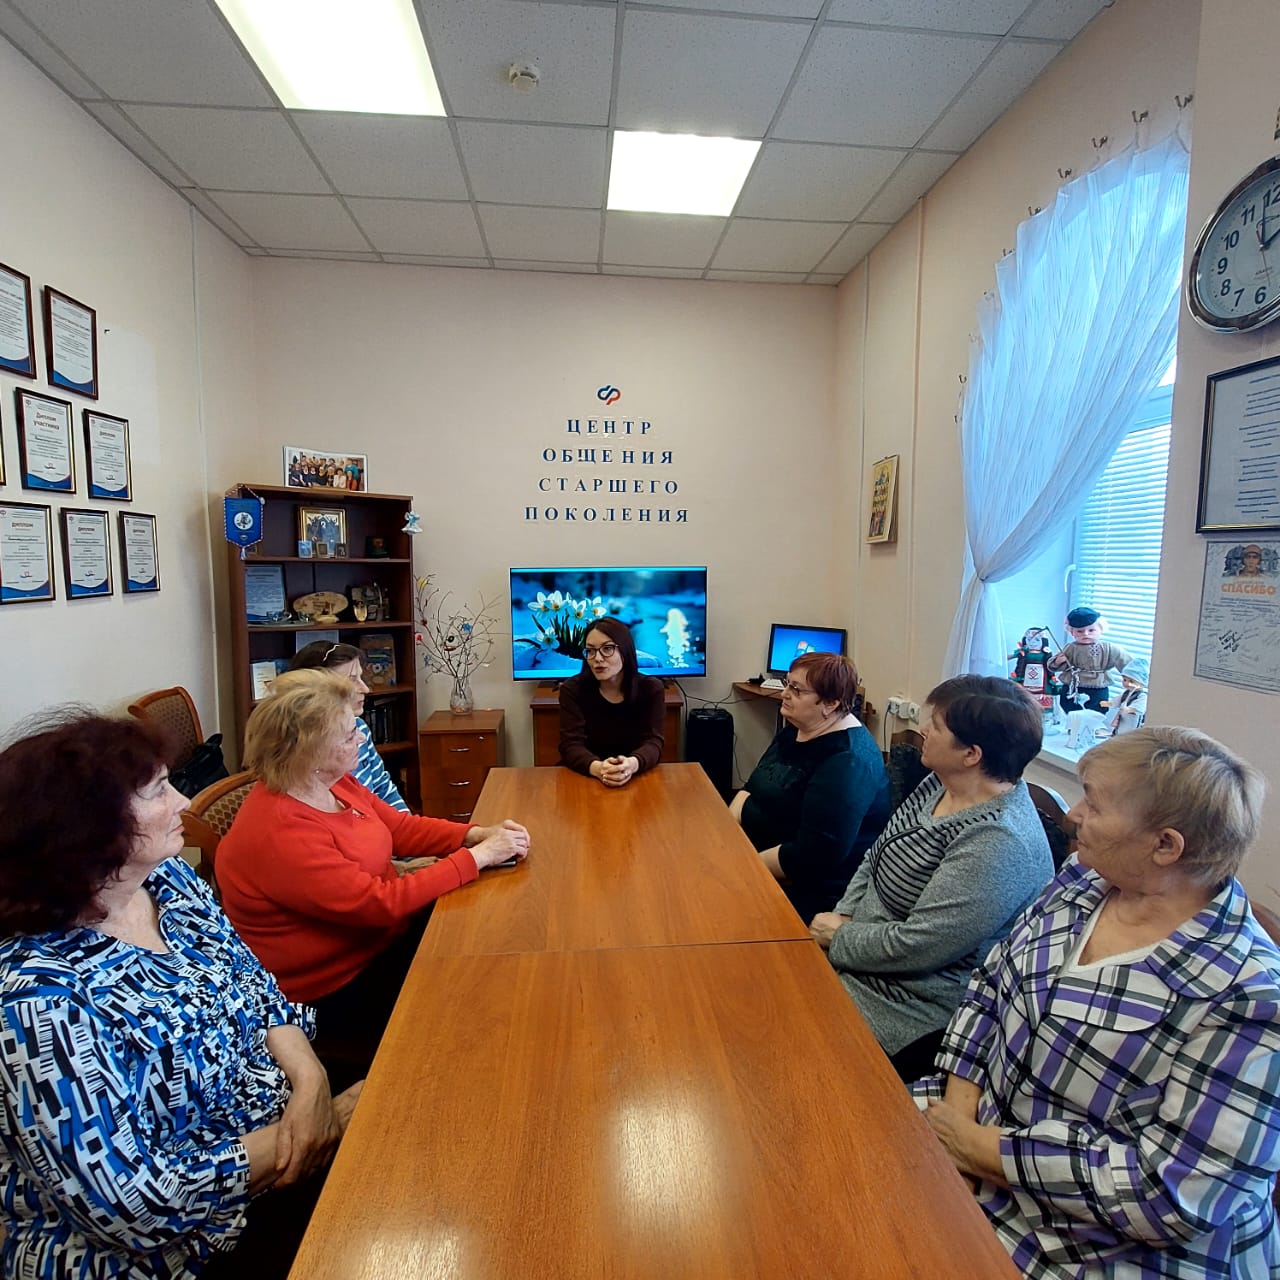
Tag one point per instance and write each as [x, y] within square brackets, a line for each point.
[367, 515]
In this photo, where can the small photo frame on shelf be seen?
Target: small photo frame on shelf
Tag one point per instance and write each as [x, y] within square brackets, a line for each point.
[86, 553]
[44, 442]
[139, 552]
[1238, 470]
[70, 343]
[26, 553]
[322, 524]
[306, 549]
[106, 456]
[323, 550]
[340, 550]
[17, 332]
[884, 499]
[319, 469]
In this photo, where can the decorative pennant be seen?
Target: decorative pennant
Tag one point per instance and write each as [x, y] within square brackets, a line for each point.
[242, 521]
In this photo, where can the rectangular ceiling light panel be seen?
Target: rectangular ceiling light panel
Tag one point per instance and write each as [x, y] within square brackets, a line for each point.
[678, 172]
[332, 55]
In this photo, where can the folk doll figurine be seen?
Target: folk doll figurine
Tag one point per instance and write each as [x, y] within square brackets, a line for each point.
[1129, 710]
[1083, 663]
[1030, 668]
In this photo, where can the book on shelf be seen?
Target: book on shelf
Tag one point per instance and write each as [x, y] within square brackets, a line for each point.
[262, 673]
[379, 659]
[383, 718]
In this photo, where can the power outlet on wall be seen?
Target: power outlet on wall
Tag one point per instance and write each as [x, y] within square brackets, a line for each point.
[912, 712]
[894, 705]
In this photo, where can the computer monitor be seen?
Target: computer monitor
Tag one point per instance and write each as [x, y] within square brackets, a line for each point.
[787, 642]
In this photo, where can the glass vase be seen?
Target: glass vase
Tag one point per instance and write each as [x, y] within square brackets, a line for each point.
[461, 700]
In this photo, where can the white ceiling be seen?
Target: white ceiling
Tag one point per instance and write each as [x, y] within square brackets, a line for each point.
[861, 104]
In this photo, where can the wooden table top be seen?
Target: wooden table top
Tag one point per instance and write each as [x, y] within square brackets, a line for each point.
[669, 1112]
[658, 862]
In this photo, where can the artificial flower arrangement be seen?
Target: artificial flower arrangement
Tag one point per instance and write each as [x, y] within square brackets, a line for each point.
[455, 641]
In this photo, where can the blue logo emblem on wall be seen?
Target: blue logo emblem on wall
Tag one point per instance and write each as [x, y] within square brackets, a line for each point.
[610, 395]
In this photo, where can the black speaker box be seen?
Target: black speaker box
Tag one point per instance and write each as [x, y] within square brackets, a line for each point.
[708, 741]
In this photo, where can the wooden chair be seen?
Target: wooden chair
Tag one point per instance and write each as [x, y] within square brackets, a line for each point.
[1060, 833]
[175, 713]
[210, 817]
[906, 772]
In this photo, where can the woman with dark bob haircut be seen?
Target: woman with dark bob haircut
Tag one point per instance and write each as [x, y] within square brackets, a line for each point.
[611, 715]
[960, 858]
[819, 797]
[153, 1080]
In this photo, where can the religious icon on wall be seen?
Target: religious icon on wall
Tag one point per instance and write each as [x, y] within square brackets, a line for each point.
[884, 500]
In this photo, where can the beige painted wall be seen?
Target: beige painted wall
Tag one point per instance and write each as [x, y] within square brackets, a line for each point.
[1237, 98]
[78, 212]
[455, 382]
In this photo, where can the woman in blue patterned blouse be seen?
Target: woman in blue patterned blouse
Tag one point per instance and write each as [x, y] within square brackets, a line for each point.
[152, 1077]
[1111, 1080]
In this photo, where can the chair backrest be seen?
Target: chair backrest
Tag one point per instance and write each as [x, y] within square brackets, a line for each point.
[906, 771]
[210, 817]
[175, 713]
[1060, 833]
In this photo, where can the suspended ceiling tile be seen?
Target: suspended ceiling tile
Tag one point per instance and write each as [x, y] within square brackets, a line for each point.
[697, 73]
[669, 273]
[124, 130]
[25, 37]
[997, 86]
[325, 255]
[368, 155]
[474, 43]
[557, 235]
[775, 246]
[419, 226]
[431, 260]
[759, 277]
[984, 17]
[1061, 19]
[871, 67]
[217, 216]
[534, 164]
[921, 170]
[517, 264]
[760, 8]
[855, 244]
[660, 239]
[810, 180]
[231, 150]
[191, 57]
[292, 222]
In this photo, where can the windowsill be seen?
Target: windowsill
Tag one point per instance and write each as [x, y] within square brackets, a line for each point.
[1057, 755]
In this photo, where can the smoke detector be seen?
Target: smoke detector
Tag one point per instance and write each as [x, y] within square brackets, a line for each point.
[524, 76]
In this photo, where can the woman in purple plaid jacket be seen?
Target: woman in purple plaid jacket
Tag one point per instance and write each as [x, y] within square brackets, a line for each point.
[1112, 1079]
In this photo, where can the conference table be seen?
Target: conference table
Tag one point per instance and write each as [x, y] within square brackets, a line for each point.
[625, 1058]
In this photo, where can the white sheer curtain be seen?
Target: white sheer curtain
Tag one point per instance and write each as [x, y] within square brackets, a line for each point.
[1079, 330]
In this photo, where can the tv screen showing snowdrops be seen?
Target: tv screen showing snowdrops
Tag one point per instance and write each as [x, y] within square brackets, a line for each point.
[552, 610]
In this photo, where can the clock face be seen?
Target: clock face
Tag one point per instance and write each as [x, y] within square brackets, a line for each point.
[1234, 280]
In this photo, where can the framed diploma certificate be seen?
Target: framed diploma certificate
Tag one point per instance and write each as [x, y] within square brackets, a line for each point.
[26, 553]
[17, 336]
[139, 556]
[44, 442]
[70, 344]
[106, 452]
[86, 557]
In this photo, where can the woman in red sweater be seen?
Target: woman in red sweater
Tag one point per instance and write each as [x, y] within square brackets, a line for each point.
[306, 871]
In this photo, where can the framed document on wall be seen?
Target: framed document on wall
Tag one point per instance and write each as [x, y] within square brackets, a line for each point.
[70, 343]
[139, 554]
[26, 553]
[106, 456]
[17, 335]
[44, 442]
[86, 553]
[1239, 457]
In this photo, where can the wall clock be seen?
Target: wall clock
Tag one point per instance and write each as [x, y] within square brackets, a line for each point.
[1233, 283]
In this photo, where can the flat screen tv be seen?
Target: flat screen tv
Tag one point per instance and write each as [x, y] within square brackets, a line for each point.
[788, 641]
[552, 610]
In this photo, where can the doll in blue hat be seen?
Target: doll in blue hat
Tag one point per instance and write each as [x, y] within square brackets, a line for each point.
[1129, 710]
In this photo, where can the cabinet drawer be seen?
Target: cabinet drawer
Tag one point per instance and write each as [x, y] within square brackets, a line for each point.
[460, 752]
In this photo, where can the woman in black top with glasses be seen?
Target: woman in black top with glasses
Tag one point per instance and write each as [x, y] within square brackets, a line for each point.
[611, 715]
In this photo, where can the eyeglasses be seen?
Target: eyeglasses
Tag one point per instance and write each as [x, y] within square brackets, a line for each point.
[604, 650]
[791, 687]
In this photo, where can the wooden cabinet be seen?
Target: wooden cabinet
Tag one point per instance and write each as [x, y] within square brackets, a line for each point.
[455, 754]
[545, 705]
[366, 516]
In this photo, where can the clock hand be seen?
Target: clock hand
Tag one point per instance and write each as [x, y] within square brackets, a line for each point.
[1265, 240]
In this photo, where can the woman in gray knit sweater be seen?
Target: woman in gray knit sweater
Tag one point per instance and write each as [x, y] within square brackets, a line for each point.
[960, 858]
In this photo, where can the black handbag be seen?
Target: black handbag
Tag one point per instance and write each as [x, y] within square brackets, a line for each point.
[204, 767]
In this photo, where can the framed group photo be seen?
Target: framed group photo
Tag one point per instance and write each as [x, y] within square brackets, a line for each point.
[318, 469]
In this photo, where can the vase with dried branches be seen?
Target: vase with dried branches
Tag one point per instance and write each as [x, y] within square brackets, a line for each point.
[455, 640]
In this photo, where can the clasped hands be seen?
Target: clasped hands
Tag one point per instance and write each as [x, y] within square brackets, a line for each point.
[615, 771]
[310, 1128]
[491, 845]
